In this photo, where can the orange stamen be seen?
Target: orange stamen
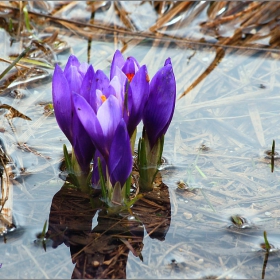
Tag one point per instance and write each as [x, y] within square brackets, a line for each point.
[147, 78]
[129, 76]
[103, 98]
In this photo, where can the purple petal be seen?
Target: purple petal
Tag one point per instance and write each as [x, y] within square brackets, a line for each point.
[72, 61]
[121, 75]
[131, 66]
[159, 108]
[99, 82]
[83, 68]
[110, 91]
[117, 90]
[138, 93]
[83, 146]
[122, 79]
[109, 116]
[84, 151]
[98, 100]
[88, 86]
[118, 61]
[120, 159]
[102, 81]
[167, 61]
[62, 102]
[74, 78]
[91, 124]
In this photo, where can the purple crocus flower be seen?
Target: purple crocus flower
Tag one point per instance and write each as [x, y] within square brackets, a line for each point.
[128, 67]
[109, 134]
[73, 80]
[134, 82]
[159, 108]
[100, 125]
[120, 159]
[101, 114]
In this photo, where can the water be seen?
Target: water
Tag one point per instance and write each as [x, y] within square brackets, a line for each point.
[215, 144]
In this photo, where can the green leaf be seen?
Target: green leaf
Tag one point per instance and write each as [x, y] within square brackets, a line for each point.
[267, 245]
[237, 220]
[26, 19]
[161, 149]
[10, 25]
[102, 180]
[200, 172]
[132, 141]
[69, 167]
[68, 163]
[132, 201]
[154, 159]
[142, 165]
[127, 186]
[43, 235]
[44, 229]
[117, 194]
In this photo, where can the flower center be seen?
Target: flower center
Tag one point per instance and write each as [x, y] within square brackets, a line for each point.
[130, 76]
[103, 98]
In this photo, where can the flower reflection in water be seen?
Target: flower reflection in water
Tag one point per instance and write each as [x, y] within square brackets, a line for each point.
[102, 252]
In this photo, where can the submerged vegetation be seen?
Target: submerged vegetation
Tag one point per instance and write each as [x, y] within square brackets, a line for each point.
[210, 204]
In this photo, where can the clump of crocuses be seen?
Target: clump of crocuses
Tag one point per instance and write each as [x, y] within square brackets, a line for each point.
[99, 116]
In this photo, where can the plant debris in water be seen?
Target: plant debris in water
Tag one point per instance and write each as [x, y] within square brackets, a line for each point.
[239, 222]
[231, 98]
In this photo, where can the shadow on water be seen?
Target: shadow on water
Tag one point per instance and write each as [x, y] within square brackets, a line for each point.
[102, 251]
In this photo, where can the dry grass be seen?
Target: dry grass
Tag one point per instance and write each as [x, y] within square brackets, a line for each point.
[226, 62]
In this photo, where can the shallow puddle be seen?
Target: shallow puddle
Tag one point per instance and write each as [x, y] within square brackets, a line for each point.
[215, 148]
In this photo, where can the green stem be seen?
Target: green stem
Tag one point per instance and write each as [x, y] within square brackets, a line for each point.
[273, 148]
[80, 175]
[102, 180]
[267, 246]
[132, 141]
[148, 161]
[272, 155]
